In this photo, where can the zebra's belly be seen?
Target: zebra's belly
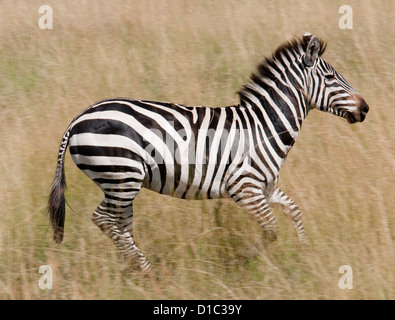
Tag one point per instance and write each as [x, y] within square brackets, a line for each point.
[187, 181]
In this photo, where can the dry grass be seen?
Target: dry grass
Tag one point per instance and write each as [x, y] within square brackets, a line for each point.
[197, 53]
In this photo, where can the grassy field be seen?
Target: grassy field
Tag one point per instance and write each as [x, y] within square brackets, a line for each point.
[196, 53]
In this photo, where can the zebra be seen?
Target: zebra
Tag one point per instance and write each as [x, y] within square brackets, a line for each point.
[198, 152]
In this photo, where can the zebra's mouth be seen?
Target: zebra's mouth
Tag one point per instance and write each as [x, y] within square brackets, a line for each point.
[350, 118]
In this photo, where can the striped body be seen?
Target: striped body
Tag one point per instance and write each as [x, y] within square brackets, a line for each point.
[203, 152]
[185, 152]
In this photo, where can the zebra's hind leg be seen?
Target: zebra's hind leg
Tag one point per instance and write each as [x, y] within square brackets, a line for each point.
[116, 222]
[291, 210]
[252, 199]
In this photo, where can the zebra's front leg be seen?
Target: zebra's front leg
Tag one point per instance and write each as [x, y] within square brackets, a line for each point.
[252, 199]
[116, 223]
[291, 210]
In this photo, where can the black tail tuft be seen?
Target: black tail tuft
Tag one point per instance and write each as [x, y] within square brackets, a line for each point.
[56, 201]
[56, 204]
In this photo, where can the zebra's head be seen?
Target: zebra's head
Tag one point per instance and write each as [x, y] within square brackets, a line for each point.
[325, 89]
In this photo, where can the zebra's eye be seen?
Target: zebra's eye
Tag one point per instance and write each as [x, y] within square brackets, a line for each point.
[329, 76]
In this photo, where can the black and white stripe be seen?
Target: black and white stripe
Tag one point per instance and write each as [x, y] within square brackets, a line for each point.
[203, 152]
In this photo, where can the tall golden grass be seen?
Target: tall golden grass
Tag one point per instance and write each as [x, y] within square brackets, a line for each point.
[196, 53]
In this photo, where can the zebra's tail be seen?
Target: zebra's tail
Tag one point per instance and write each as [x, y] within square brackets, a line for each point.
[56, 201]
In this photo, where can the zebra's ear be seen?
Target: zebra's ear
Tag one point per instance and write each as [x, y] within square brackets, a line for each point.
[312, 50]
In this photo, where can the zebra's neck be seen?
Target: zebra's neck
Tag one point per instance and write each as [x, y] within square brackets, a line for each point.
[280, 111]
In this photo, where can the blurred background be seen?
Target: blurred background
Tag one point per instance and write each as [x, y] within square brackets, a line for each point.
[195, 53]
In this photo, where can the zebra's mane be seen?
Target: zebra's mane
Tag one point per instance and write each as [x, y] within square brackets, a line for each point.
[290, 49]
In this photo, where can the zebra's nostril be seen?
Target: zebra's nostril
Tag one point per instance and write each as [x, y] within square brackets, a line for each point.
[364, 106]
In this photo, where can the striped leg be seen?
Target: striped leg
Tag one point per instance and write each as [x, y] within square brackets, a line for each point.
[291, 210]
[252, 200]
[116, 222]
